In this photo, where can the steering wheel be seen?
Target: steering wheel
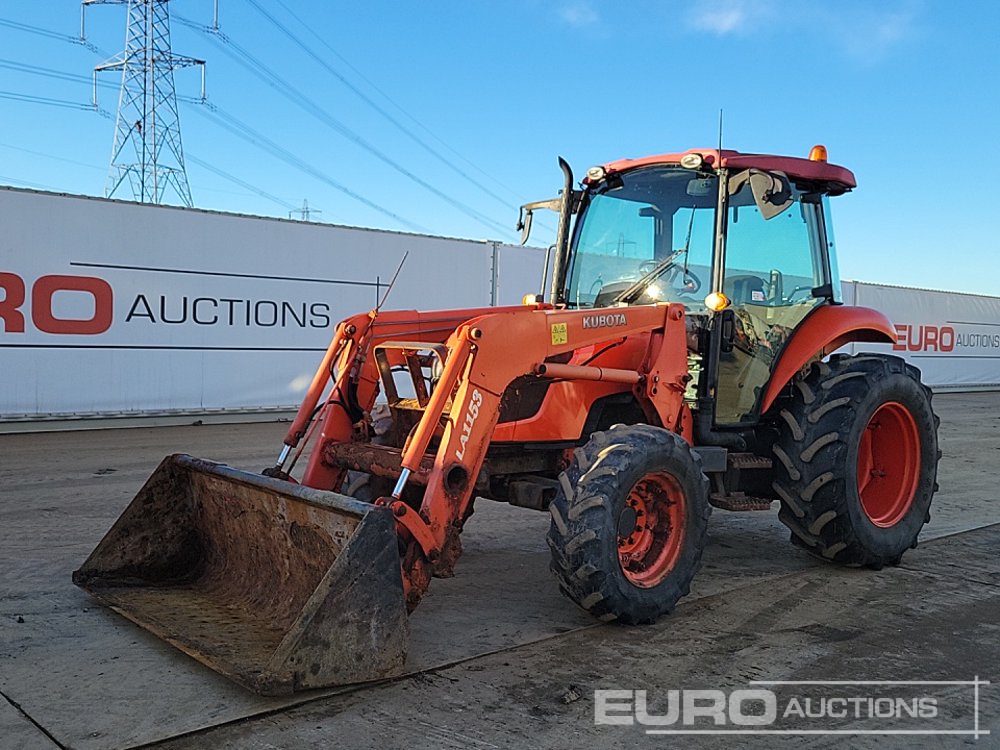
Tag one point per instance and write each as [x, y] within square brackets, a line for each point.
[679, 282]
[689, 281]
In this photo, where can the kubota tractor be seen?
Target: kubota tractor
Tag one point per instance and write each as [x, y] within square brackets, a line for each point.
[678, 363]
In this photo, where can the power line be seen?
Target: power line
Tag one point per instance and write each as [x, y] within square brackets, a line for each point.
[263, 71]
[39, 31]
[231, 124]
[242, 130]
[31, 98]
[236, 180]
[12, 147]
[312, 31]
[88, 107]
[283, 87]
[370, 102]
[49, 72]
[25, 183]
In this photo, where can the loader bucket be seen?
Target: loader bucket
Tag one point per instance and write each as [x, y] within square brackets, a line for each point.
[277, 586]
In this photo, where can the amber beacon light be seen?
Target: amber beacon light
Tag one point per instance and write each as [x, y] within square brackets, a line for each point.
[817, 153]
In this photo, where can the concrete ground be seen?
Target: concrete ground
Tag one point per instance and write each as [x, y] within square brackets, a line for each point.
[497, 657]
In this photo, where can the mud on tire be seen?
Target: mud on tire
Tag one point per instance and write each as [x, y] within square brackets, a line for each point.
[855, 464]
[628, 523]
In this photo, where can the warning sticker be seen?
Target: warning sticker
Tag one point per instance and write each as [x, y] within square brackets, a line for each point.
[559, 335]
[756, 296]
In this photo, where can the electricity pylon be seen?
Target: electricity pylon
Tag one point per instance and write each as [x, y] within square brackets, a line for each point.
[147, 151]
[305, 212]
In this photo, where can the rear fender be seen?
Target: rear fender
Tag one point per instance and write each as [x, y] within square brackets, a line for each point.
[824, 330]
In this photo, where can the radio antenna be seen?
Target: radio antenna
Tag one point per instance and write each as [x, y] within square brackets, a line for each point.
[720, 132]
[391, 283]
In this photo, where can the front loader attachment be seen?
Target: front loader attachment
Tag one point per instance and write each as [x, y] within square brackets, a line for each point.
[277, 586]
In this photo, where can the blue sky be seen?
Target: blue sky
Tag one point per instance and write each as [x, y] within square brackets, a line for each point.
[482, 97]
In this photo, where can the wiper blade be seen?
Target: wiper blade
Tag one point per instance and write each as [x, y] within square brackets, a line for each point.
[638, 286]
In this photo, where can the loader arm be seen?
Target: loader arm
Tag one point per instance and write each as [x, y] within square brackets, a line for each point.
[348, 364]
[486, 353]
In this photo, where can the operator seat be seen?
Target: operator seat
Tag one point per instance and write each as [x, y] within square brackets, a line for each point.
[746, 289]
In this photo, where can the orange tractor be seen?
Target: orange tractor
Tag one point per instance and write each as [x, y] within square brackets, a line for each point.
[679, 363]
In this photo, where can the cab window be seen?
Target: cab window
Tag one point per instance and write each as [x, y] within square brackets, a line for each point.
[772, 268]
[654, 226]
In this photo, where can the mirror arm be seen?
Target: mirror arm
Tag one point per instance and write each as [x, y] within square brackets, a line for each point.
[527, 212]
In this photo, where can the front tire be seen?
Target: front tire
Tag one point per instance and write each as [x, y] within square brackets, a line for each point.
[856, 459]
[628, 523]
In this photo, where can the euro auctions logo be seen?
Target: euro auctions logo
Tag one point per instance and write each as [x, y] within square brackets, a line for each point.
[94, 292]
[81, 305]
[839, 707]
[927, 339]
[743, 708]
[924, 338]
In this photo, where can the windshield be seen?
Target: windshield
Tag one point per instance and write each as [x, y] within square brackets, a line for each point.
[654, 225]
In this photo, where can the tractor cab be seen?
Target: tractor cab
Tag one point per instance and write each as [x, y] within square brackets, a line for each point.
[738, 238]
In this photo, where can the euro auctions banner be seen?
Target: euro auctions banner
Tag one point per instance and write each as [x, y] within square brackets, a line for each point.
[953, 338]
[108, 307]
[111, 308]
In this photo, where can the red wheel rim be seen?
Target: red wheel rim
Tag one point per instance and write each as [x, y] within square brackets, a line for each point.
[888, 464]
[651, 529]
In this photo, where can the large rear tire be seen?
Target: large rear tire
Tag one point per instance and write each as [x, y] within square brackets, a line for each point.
[628, 523]
[856, 459]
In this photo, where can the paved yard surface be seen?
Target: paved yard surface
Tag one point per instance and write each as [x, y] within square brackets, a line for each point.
[497, 657]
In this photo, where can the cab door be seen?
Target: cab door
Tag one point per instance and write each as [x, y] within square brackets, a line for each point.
[777, 270]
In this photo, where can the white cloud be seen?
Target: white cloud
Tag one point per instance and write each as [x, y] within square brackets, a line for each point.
[869, 36]
[860, 29]
[723, 17]
[579, 14]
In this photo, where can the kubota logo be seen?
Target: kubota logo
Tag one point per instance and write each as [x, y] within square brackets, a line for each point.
[43, 314]
[605, 321]
[924, 338]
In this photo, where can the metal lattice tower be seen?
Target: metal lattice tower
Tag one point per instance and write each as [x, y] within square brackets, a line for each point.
[147, 151]
[305, 212]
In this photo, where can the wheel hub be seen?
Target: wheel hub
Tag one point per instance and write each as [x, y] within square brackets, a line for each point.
[651, 529]
[888, 464]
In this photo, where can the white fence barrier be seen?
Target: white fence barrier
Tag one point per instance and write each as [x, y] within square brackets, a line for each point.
[953, 338]
[109, 307]
[112, 308]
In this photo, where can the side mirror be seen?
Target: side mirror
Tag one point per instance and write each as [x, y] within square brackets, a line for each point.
[527, 211]
[772, 191]
[524, 224]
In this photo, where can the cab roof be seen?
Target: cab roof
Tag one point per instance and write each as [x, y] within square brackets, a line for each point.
[836, 179]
